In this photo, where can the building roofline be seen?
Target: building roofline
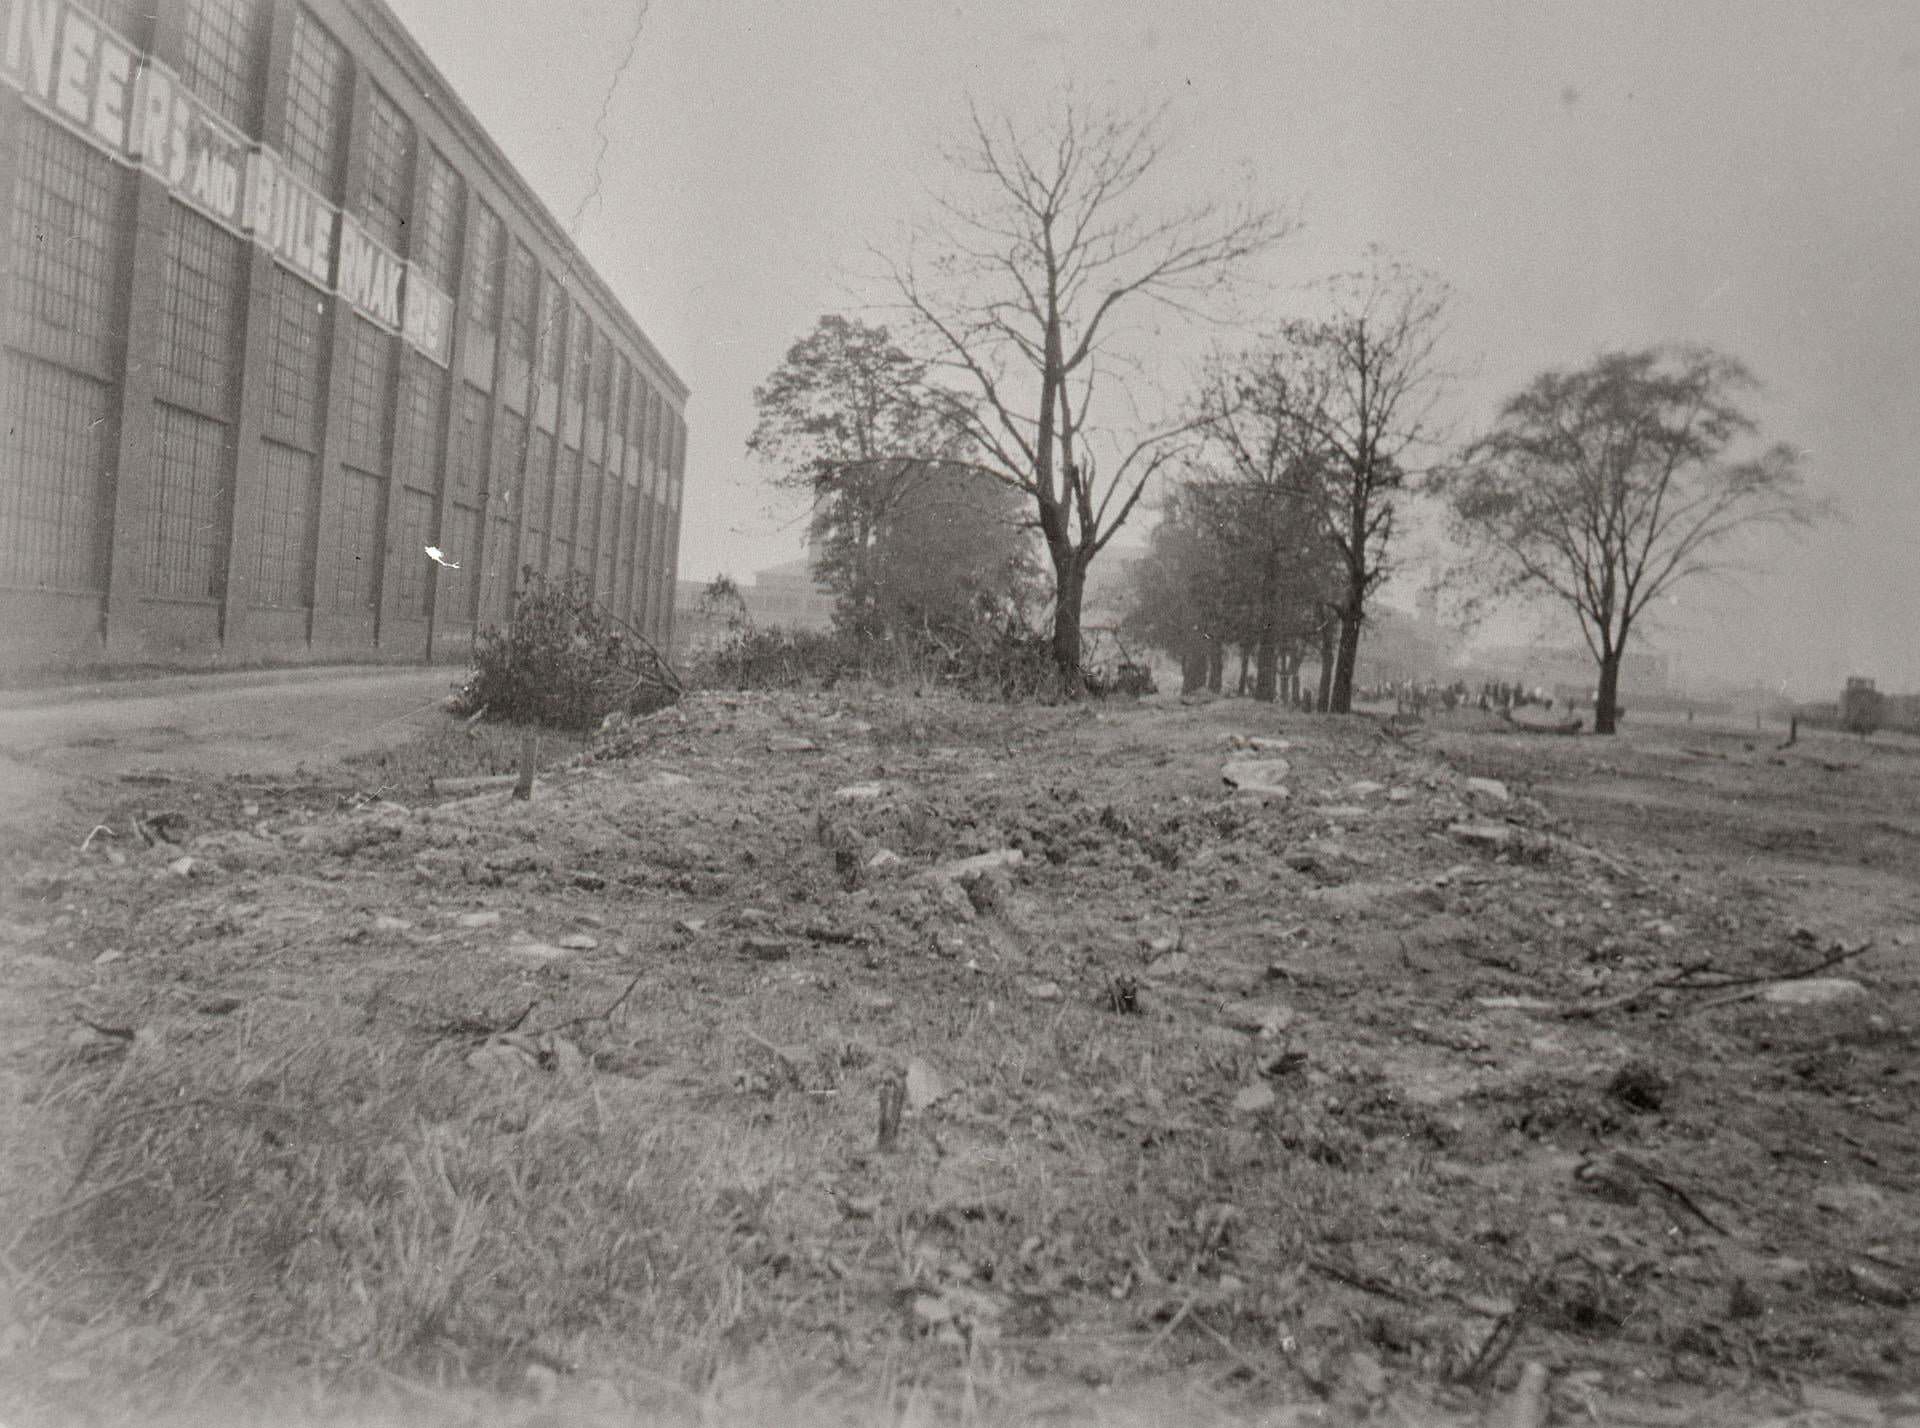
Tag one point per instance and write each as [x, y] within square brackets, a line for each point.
[385, 27]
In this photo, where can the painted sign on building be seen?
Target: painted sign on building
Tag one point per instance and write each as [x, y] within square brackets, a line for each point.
[427, 318]
[79, 71]
[72, 66]
[288, 219]
[194, 152]
[367, 275]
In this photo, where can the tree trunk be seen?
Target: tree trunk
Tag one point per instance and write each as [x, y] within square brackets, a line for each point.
[1069, 589]
[1267, 651]
[1606, 702]
[1344, 661]
[1246, 665]
[1216, 666]
[1193, 665]
[1325, 700]
[1348, 655]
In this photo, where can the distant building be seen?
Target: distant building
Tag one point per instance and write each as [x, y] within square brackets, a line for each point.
[787, 596]
[276, 316]
[790, 597]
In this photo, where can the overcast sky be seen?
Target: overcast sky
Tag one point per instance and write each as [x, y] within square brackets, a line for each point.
[1586, 176]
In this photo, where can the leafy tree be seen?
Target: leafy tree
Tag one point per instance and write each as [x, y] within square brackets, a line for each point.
[1183, 600]
[1046, 247]
[847, 418]
[1265, 496]
[1606, 486]
[1347, 402]
[951, 553]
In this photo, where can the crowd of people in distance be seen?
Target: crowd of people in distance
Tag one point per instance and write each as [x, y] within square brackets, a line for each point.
[1411, 696]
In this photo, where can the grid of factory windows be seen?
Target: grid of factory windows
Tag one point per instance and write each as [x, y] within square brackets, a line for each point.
[238, 418]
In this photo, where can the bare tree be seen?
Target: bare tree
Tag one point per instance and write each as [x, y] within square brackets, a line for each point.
[1350, 398]
[1606, 486]
[1022, 287]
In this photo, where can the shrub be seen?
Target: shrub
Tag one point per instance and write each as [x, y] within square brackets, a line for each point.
[563, 661]
[987, 660]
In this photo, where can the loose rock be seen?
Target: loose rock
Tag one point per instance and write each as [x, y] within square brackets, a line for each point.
[1484, 835]
[1264, 1019]
[1262, 777]
[925, 1086]
[961, 868]
[1813, 992]
[1253, 1100]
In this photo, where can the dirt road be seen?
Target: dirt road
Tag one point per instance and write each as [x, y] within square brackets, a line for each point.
[63, 754]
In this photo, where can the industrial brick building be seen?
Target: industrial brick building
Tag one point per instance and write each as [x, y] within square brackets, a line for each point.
[276, 316]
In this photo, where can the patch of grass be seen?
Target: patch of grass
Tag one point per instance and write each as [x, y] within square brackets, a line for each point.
[312, 1200]
[457, 748]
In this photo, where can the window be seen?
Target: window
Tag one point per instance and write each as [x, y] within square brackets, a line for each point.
[566, 498]
[200, 305]
[485, 257]
[461, 537]
[281, 527]
[187, 509]
[369, 362]
[294, 366]
[387, 193]
[222, 43]
[636, 434]
[69, 210]
[318, 95]
[56, 452]
[522, 282]
[679, 460]
[420, 444]
[603, 382]
[582, 339]
[469, 456]
[355, 547]
[416, 534]
[436, 237]
[609, 510]
[553, 335]
[658, 455]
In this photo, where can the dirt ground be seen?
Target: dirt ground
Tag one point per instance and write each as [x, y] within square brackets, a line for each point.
[854, 1056]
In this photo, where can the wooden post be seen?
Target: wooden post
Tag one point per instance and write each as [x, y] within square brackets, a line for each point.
[529, 751]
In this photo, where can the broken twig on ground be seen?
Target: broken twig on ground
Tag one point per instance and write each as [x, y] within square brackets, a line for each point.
[1685, 980]
[605, 1014]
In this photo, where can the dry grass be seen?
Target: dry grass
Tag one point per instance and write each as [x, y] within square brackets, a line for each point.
[310, 1199]
[455, 748]
[369, 1155]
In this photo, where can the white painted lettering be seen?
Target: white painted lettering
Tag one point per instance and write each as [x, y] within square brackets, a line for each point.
[78, 39]
[179, 131]
[113, 72]
[32, 32]
[320, 245]
[390, 293]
